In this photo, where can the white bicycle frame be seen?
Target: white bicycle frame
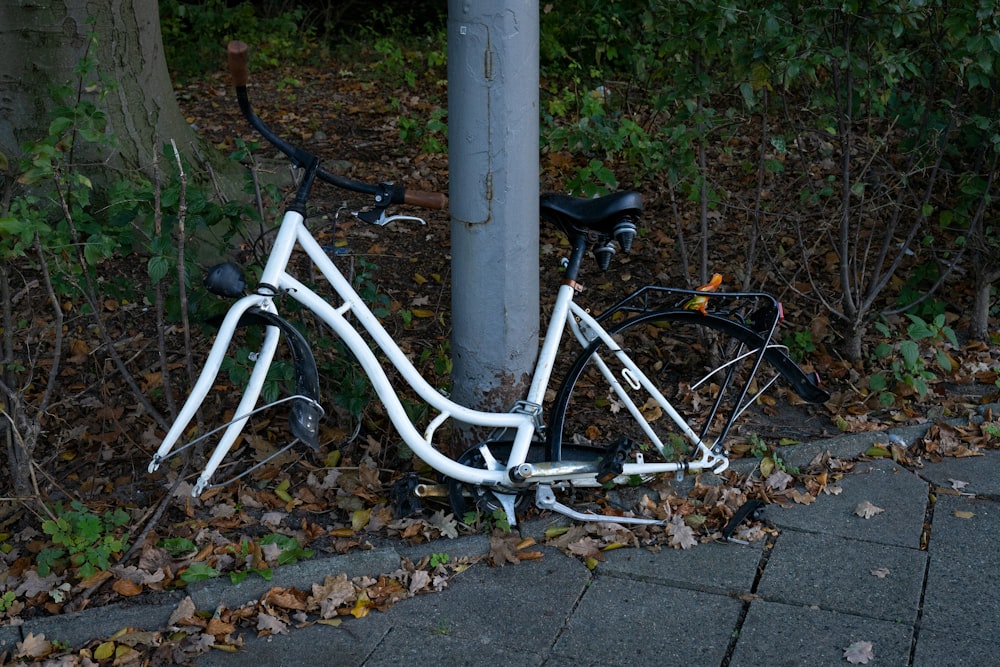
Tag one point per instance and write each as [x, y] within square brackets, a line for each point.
[524, 421]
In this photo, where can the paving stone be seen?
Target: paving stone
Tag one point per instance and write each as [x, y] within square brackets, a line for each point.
[835, 573]
[348, 645]
[636, 623]
[898, 492]
[443, 648]
[716, 567]
[963, 579]
[779, 635]
[9, 637]
[979, 473]
[488, 606]
[76, 629]
[210, 594]
[935, 649]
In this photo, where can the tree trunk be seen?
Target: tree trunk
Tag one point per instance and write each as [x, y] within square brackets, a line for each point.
[979, 327]
[41, 42]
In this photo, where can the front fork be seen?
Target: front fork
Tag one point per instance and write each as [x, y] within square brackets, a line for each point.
[213, 365]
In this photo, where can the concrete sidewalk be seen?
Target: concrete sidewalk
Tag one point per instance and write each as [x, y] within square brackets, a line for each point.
[829, 580]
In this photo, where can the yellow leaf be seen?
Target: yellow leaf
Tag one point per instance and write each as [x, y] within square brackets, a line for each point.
[360, 519]
[525, 543]
[422, 312]
[361, 606]
[766, 467]
[104, 651]
[651, 410]
[419, 279]
[124, 655]
[282, 491]
[962, 514]
[556, 531]
[332, 459]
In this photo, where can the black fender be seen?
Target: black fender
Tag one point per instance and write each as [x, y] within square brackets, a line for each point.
[305, 412]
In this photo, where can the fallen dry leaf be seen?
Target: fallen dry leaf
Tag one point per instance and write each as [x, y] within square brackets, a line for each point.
[270, 625]
[859, 653]
[185, 610]
[419, 580]
[881, 572]
[866, 510]
[331, 594]
[34, 647]
[126, 587]
[681, 534]
[779, 480]
[503, 548]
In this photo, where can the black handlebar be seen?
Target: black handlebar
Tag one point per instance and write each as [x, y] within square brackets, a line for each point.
[384, 193]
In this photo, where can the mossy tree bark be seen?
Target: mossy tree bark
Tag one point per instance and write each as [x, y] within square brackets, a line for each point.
[41, 45]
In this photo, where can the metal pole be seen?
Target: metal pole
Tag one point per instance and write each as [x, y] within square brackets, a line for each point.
[494, 170]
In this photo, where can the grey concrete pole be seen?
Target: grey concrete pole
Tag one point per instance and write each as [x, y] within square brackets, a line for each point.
[493, 166]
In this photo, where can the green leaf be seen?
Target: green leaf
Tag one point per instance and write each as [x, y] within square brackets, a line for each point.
[918, 329]
[198, 572]
[178, 546]
[943, 360]
[157, 268]
[910, 352]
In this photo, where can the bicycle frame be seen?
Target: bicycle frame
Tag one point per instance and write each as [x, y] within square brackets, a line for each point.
[524, 419]
[594, 222]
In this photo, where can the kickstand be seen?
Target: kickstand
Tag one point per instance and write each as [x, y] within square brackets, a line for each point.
[545, 499]
[750, 508]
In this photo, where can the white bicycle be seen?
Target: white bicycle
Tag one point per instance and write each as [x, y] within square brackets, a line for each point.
[662, 376]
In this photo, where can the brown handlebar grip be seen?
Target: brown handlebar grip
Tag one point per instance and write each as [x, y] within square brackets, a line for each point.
[426, 199]
[238, 56]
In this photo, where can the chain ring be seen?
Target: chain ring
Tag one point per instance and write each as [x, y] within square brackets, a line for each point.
[484, 499]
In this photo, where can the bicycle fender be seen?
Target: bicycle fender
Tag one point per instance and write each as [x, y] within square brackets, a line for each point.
[305, 414]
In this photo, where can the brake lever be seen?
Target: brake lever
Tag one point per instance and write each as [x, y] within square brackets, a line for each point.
[377, 217]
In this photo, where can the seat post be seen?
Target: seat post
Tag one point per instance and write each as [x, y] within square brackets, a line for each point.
[578, 242]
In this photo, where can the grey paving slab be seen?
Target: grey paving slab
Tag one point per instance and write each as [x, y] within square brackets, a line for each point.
[779, 635]
[637, 623]
[963, 580]
[348, 645]
[716, 567]
[978, 472]
[9, 637]
[862, 578]
[442, 648]
[491, 607]
[969, 649]
[210, 594]
[898, 492]
[79, 628]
